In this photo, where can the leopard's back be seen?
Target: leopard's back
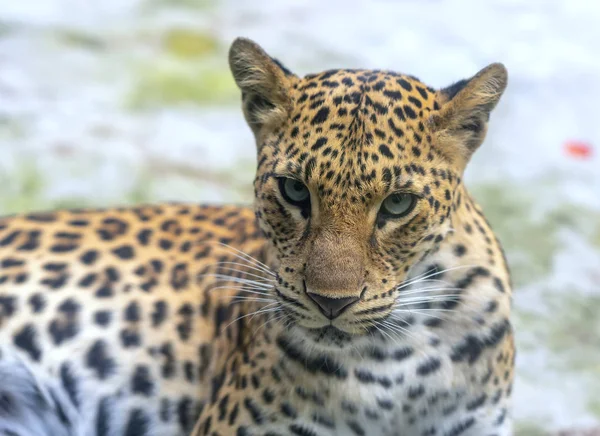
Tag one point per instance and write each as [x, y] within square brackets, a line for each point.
[111, 312]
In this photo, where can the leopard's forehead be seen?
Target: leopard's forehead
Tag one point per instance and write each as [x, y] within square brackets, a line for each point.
[410, 98]
[375, 79]
[359, 131]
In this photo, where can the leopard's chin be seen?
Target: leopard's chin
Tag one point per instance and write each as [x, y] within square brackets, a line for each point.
[329, 337]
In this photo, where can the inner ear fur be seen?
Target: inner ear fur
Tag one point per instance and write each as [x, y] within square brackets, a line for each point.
[264, 83]
[461, 123]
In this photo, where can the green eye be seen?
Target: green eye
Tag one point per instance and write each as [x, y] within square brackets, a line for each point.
[294, 192]
[398, 205]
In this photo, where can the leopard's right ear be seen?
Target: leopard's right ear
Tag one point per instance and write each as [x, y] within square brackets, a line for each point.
[264, 82]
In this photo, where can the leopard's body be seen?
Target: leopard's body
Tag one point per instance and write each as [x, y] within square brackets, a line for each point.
[171, 319]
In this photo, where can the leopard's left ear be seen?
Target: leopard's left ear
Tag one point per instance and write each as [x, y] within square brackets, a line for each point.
[461, 123]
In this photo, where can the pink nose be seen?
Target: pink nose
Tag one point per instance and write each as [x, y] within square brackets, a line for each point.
[332, 307]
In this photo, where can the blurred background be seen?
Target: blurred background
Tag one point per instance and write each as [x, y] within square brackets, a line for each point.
[126, 101]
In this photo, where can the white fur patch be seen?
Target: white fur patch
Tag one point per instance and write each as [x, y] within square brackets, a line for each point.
[29, 407]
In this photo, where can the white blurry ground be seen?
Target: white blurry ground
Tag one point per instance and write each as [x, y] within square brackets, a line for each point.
[121, 101]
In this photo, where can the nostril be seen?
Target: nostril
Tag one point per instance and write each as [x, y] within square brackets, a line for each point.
[332, 307]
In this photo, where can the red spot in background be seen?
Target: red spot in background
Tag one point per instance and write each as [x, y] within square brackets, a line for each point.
[578, 149]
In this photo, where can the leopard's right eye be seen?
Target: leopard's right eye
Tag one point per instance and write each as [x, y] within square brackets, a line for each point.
[295, 193]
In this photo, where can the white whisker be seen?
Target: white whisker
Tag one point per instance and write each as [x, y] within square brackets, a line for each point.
[283, 316]
[241, 288]
[464, 296]
[240, 254]
[421, 312]
[247, 274]
[398, 328]
[381, 331]
[240, 280]
[238, 299]
[262, 282]
[421, 277]
[243, 265]
[415, 300]
[256, 312]
[427, 289]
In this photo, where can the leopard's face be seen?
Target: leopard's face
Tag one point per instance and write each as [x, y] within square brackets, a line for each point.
[356, 181]
[346, 193]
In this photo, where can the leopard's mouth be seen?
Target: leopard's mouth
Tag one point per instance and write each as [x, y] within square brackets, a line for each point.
[315, 324]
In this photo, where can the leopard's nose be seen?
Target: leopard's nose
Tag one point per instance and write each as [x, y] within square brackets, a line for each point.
[332, 307]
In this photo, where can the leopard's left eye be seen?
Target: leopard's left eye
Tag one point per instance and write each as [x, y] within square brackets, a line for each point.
[397, 205]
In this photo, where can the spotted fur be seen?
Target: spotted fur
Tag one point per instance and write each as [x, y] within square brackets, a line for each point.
[335, 317]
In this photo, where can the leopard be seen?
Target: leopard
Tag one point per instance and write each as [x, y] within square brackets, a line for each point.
[363, 292]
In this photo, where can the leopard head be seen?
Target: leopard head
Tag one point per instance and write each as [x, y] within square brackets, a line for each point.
[357, 176]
